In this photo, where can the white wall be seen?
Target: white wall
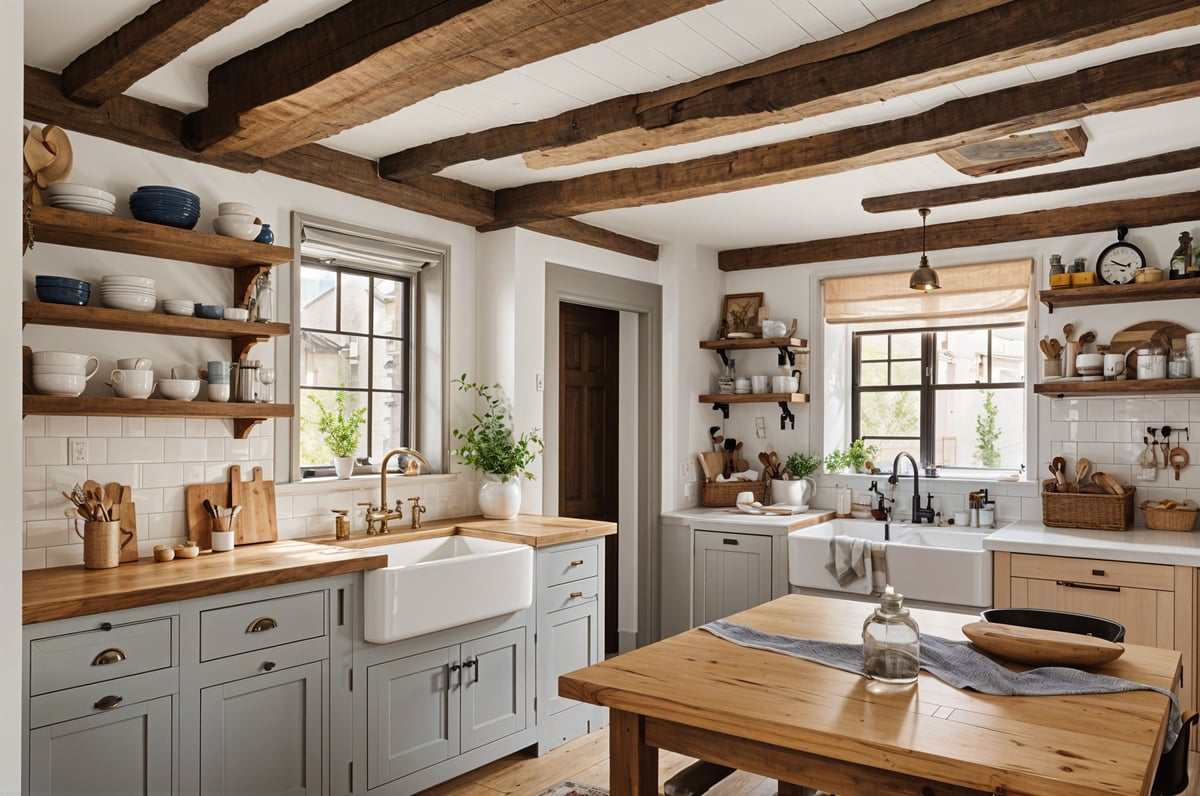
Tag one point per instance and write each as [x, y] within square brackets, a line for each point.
[11, 51]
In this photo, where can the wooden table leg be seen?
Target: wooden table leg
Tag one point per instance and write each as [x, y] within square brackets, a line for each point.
[633, 766]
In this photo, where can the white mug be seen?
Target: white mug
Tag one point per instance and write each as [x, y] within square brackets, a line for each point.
[1151, 366]
[1114, 366]
[86, 365]
[132, 383]
[134, 363]
[760, 384]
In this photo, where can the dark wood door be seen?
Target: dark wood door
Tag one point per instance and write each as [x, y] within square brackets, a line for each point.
[588, 420]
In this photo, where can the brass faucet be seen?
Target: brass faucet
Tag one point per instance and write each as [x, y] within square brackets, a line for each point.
[381, 514]
[416, 511]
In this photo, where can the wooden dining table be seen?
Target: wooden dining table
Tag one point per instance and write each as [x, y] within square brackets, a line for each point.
[813, 726]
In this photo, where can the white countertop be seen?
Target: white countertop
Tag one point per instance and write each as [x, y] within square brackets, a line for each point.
[732, 520]
[1149, 547]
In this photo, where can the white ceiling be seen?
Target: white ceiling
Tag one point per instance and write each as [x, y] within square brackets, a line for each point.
[717, 37]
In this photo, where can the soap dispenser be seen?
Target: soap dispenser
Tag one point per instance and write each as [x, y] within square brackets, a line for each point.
[891, 641]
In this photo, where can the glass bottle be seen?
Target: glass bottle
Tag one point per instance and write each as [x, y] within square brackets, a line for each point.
[1056, 265]
[725, 382]
[891, 641]
[1179, 367]
[264, 299]
[1079, 266]
[1182, 257]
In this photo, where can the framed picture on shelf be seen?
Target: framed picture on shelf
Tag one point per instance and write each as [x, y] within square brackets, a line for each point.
[739, 314]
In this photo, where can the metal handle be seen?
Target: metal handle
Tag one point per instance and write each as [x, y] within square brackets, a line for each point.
[110, 655]
[577, 563]
[1072, 585]
[262, 624]
[729, 541]
[473, 664]
[108, 703]
[268, 665]
[575, 595]
[453, 667]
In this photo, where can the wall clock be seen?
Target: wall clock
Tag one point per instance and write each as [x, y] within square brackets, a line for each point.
[1119, 261]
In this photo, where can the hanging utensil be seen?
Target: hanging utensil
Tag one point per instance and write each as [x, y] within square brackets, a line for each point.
[1068, 330]
[1178, 459]
[1153, 446]
[1087, 337]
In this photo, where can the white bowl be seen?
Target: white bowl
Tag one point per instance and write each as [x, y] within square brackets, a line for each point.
[179, 389]
[236, 314]
[127, 281]
[236, 208]
[78, 189]
[61, 358]
[134, 303]
[236, 227]
[175, 309]
[69, 370]
[59, 383]
[99, 211]
[1089, 361]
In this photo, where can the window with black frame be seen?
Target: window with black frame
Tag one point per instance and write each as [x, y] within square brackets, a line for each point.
[356, 336]
[955, 394]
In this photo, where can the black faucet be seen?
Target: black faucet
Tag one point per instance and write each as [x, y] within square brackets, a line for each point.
[919, 514]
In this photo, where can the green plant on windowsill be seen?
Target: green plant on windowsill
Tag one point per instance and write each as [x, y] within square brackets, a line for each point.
[490, 445]
[339, 428]
[853, 458]
[801, 465]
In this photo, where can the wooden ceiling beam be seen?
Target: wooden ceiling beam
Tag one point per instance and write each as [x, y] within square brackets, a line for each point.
[1133, 213]
[930, 45]
[370, 58]
[154, 128]
[148, 41]
[1167, 163]
[1137, 82]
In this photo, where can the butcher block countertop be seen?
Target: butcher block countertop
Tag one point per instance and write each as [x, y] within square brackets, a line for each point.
[65, 592]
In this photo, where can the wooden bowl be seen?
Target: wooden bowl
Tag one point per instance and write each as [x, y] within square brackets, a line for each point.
[163, 553]
[1041, 647]
[189, 550]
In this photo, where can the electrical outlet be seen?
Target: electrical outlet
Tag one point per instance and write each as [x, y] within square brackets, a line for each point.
[684, 471]
[689, 490]
[79, 450]
[539, 382]
[760, 427]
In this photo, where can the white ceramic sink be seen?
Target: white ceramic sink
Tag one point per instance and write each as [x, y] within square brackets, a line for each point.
[924, 563]
[434, 584]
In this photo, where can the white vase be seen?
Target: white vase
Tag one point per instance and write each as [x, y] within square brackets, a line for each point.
[793, 493]
[343, 466]
[500, 499]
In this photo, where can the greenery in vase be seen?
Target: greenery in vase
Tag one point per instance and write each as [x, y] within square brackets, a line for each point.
[855, 457]
[490, 446]
[800, 465]
[339, 428]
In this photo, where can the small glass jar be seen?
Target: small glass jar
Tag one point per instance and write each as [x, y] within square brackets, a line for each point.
[891, 641]
[1179, 367]
[1056, 264]
[725, 381]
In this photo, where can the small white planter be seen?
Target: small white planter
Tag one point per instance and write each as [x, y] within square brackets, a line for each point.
[793, 493]
[500, 499]
[343, 466]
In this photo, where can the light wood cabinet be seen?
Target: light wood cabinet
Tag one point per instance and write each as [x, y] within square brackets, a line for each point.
[1156, 603]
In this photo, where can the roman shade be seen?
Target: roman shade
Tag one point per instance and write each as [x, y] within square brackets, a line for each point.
[981, 293]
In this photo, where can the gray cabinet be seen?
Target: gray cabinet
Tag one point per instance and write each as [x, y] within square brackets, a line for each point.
[570, 618]
[433, 706]
[732, 572]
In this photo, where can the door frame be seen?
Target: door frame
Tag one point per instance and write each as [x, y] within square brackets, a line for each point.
[644, 299]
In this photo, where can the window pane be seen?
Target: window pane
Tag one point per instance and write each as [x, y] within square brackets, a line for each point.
[332, 360]
[388, 428]
[874, 374]
[906, 346]
[388, 368]
[356, 294]
[906, 373]
[874, 346]
[1008, 354]
[980, 428]
[318, 298]
[962, 356]
[890, 414]
[313, 452]
[389, 308]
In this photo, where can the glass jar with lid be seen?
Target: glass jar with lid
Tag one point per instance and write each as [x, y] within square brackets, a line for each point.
[1178, 367]
[891, 641]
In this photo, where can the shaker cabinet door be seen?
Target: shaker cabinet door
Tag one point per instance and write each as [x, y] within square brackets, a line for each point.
[126, 750]
[493, 688]
[732, 572]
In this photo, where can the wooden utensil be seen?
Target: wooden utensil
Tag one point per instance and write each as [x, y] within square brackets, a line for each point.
[1068, 330]
[1082, 468]
[1055, 348]
[1110, 484]
[1087, 337]
[1059, 465]
[1039, 647]
[1179, 459]
[257, 520]
[200, 521]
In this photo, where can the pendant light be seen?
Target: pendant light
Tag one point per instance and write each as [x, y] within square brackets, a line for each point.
[924, 278]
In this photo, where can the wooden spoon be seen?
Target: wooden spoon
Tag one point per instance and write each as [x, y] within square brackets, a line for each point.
[1068, 330]
[1060, 472]
[1082, 468]
[1087, 338]
[1178, 459]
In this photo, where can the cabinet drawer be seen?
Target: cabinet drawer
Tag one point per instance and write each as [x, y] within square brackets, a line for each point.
[564, 566]
[568, 594]
[80, 658]
[261, 624]
[97, 698]
[1159, 577]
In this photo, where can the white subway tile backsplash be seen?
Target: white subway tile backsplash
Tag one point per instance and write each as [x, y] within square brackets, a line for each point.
[127, 474]
[193, 473]
[33, 478]
[64, 556]
[163, 474]
[1139, 410]
[1194, 407]
[1099, 410]
[34, 558]
[185, 449]
[214, 427]
[104, 426]
[135, 450]
[35, 504]
[1081, 431]
[1099, 452]
[164, 525]
[48, 533]
[133, 427]
[165, 426]
[1066, 409]
[262, 447]
[149, 501]
[296, 528]
[45, 451]
[193, 426]
[1114, 432]
[33, 426]
[214, 449]
[236, 450]
[97, 450]
[66, 426]
[63, 479]
[1176, 410]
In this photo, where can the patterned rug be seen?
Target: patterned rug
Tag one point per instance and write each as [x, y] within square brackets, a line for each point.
[569, 788]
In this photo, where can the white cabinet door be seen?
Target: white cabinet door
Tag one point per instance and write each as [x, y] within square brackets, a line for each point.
[263, 734]
[126, 750]
[731, 572]
[412, 714]
[573, 638]
[493, 688]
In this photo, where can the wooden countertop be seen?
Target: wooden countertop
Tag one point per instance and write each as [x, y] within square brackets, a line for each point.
[64, 592]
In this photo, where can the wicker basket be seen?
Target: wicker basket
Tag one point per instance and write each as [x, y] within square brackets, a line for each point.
[726, 492]
[1160, 519]
[1083, 510]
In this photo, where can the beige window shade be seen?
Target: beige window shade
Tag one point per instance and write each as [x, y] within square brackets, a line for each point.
[985, 293]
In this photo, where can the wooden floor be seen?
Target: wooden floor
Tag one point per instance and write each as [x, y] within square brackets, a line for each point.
[585, 760]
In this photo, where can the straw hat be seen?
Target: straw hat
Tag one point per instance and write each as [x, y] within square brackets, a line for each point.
[48, 157]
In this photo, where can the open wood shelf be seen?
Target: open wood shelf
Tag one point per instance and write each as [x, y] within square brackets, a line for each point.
[1157, 386]
[243, 334]
[1119, 294]
[736, 344]
[756, 398]
[244, 415]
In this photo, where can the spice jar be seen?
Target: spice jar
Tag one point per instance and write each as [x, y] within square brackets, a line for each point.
[1179, 367]
[891, 641]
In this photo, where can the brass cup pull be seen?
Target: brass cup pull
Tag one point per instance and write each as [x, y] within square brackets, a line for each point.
[110, 655]
[262, 624]
[108, 702]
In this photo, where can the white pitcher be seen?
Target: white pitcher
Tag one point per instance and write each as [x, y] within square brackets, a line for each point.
[794, 492]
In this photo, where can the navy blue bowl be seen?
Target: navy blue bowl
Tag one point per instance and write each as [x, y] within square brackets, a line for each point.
[214, 311]
[42, 280]
[178, 220]
[164, 203]
[62, 295]
[166, 190]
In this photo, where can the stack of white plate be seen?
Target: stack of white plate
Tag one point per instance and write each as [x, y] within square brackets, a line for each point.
[73, 196]
[128, 293]
[179, 306]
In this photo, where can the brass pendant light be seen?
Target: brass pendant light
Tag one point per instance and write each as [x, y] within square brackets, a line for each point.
[924, 278]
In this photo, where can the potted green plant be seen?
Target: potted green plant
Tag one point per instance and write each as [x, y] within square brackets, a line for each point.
[340, 432]
[860, 453]
[798, 484]
[837, 461]
[491, 447]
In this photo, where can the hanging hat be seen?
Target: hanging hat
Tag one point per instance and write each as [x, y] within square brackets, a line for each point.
[48, 158]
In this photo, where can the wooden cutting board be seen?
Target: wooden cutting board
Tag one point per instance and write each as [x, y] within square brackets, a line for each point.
[1039, 647]
[198, 520]
[257, 520]
[126, 514]
[1168, 334]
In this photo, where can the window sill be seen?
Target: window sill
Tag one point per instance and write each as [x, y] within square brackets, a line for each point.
[955, 482]
[310, 486]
